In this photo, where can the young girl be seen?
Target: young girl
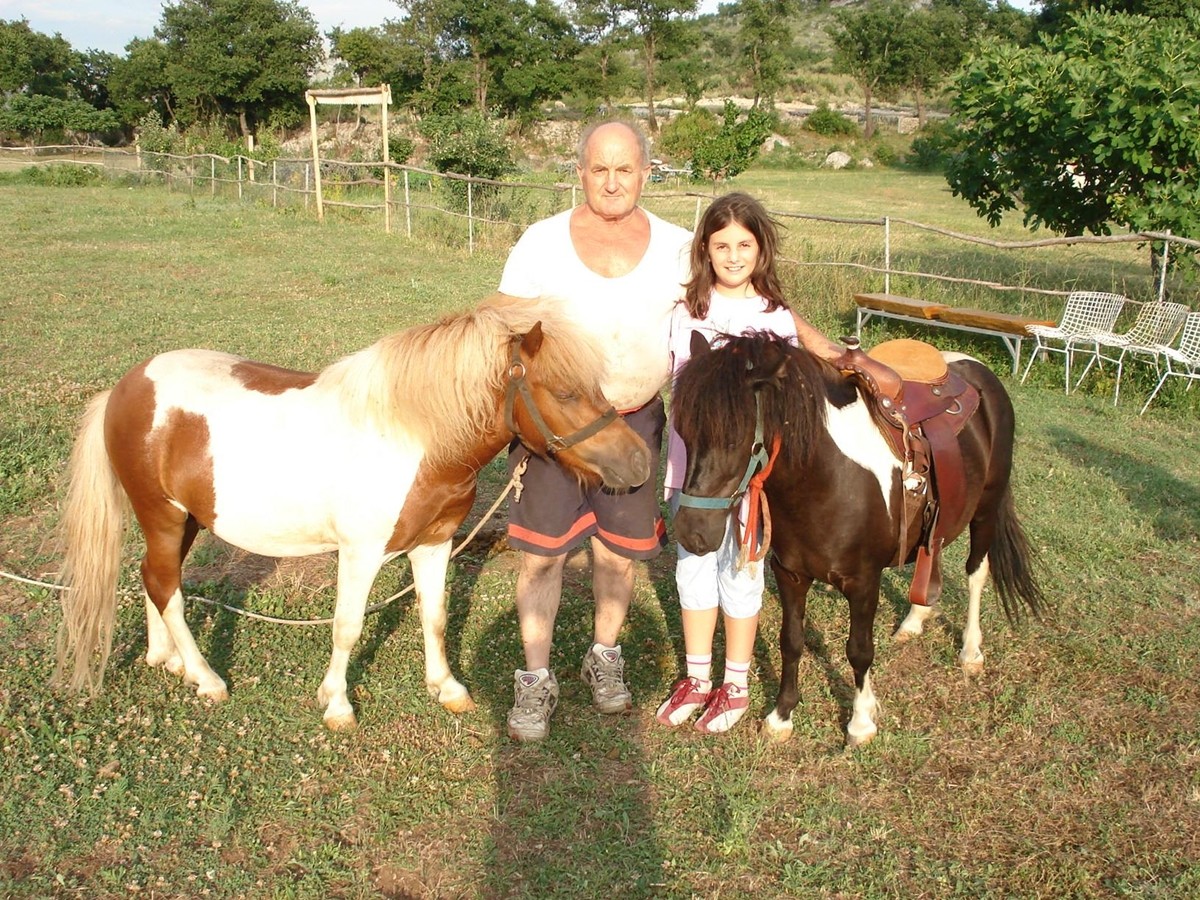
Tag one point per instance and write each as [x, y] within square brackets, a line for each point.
[733, 289]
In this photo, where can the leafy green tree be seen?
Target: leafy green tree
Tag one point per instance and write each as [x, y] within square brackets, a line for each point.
[138, 83]
[872, 45]
[42, 118]
[247, 59]
[33, 63]
[540, 60]
[367, 55]
[1098, 126]
[766, 36]
[507, 55]
[604, 30]
[735, 146]
[1055, 15]
[684, 133]
[89, 76]
[444, 82]
[656, 25]
[467, 143]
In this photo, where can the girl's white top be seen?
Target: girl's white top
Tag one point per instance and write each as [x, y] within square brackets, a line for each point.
[726, 315]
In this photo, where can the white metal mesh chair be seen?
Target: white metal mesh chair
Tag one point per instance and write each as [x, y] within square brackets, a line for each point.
[1156, 325]
[1182, 361]
[1086, 314]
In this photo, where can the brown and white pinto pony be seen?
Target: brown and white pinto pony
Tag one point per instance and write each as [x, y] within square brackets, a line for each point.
[375, 456]
[836, 496]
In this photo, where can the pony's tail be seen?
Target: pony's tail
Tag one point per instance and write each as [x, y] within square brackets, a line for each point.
[93, 531]
[1011, 560]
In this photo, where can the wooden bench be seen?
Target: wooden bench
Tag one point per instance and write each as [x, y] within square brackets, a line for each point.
[1008, 327]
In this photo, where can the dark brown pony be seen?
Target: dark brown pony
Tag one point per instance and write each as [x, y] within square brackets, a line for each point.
[835, 495]
[375, 456]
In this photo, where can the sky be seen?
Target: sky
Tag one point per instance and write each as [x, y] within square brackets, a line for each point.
[111, 24]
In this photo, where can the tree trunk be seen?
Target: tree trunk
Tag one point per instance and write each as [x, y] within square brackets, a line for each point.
[868, 120]
[649, 54]
[481, 85]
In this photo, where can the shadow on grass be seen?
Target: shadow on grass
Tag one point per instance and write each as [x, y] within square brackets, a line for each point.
[573, 814]
[1170, 503]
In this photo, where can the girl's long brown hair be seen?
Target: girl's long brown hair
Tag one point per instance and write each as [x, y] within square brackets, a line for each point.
[741, 209]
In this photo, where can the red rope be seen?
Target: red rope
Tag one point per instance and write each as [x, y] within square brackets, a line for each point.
[757, 507]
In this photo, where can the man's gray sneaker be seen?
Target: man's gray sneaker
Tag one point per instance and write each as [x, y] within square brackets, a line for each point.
[536, 697]
[604, 670]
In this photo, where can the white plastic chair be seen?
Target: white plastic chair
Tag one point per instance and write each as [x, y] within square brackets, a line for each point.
[1156, 325]
[1182, 361]
[1086, 314]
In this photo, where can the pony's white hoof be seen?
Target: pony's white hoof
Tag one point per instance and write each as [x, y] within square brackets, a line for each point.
[777, 729]
[459, 705]
[341, 722]
[170, 661]
[972, 666]
[854, 740]
[452, 696]
[216, 693]
[914, 623]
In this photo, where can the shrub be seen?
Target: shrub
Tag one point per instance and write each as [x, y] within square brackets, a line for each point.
[681, 136]
[58, 175]
[465, 143]
[933, 146]
[883, 154]
[829, 122]
[735, 146]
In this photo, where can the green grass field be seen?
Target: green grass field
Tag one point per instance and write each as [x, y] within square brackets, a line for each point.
[1070, 768]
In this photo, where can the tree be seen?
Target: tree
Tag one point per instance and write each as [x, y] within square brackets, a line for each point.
[655, 22]
[1055, 15]
[540, 58]
[735, 146]
[250, 59]
[603, 29]
[509, 55]
[444, 85]
[139, 84]
[765, 37]
[869, 45]
[367, 55]
[33, 63]
[38, 115]
[1098, 126]
[89, 76]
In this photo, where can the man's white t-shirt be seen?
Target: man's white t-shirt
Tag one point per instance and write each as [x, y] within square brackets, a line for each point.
[628, 316]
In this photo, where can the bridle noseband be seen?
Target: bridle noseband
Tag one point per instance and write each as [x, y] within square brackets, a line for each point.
[518, 384]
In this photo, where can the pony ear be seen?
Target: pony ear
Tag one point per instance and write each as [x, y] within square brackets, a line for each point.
[531, 342]
[699, 344]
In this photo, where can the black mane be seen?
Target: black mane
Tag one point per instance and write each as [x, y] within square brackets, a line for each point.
[713, 399]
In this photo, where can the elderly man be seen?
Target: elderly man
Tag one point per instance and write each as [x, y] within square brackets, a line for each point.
[618, 270]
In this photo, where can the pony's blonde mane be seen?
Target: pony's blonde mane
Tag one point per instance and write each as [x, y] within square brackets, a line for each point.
[437, 385]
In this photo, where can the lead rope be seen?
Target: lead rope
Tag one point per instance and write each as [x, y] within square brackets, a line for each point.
[756, 498]
[514, 483]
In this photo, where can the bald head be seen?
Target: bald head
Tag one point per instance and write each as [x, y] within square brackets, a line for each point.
[608, 129]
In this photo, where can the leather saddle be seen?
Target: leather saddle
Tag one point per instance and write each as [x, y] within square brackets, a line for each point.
[920, 407]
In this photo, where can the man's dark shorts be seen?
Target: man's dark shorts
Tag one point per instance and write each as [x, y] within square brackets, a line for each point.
[556, 514]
